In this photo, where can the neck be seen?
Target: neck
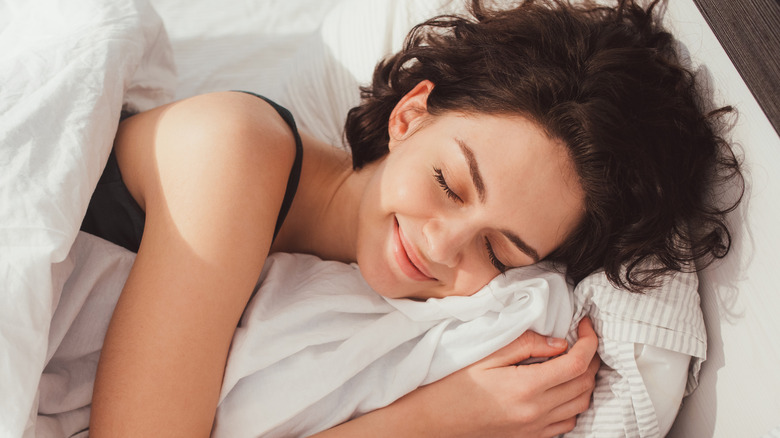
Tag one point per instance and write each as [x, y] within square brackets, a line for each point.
[323, 218]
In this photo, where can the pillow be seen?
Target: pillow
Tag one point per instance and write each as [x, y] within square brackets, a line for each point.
[641, 337]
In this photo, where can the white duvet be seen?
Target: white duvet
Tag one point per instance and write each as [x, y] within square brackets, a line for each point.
[67, 69]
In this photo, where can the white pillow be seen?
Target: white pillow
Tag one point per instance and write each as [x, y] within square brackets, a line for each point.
[641, 337]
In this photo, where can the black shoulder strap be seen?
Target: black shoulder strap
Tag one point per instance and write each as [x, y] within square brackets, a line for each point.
[295, 172]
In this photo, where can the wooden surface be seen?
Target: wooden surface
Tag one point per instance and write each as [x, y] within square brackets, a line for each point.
[749, 31]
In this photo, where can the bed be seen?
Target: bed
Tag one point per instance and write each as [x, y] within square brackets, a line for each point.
[304, 54]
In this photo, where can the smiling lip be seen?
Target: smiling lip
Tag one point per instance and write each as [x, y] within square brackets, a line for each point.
[406, 259]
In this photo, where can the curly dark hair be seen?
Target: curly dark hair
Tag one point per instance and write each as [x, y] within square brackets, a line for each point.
[608, 83]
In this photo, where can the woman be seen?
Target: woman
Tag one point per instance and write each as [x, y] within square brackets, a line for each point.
[544, 132]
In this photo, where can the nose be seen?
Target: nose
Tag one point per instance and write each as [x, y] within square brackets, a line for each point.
[446, 240]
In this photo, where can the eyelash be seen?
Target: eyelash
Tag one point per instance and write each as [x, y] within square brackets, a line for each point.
[493, 259]
[439, 176]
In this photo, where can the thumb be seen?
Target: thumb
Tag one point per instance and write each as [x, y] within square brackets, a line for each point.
[529, 344]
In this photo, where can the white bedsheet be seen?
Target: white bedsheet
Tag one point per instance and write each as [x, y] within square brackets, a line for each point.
[316, 346]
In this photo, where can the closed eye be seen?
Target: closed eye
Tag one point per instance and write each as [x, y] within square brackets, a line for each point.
[493, 259]
[439, 176]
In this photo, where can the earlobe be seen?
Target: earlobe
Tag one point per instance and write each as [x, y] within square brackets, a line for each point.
[409, 111]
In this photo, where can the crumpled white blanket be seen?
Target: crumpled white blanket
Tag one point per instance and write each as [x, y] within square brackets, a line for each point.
[315, 347]
[66, 68]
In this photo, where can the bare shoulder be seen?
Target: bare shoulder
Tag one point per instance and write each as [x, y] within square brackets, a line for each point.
[240, 116]
[232, 129]
[212, 169]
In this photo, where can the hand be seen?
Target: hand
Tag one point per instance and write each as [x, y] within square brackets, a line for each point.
[494, 398]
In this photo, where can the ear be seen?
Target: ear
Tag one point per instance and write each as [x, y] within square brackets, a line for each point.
[409, 112]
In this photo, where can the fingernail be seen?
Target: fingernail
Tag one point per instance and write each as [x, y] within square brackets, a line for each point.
[556, 342]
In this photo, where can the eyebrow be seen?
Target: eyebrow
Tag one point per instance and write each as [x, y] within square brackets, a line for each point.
[476, 177]
[479, 184]
[521, 245]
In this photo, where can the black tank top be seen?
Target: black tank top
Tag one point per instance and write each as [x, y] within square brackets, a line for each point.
[114, 215]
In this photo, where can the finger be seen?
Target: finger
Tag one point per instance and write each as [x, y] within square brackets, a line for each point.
[594, 366]
[561, 427]
[584, 382]
[529, 344]
[582, 388]
[575, 394]
[572, 364]
[585, 329]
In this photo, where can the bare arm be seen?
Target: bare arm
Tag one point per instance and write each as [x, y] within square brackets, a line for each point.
[210, 173]
[494, 398]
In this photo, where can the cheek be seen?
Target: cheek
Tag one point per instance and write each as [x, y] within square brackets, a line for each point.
[471, 277]
[408, 186]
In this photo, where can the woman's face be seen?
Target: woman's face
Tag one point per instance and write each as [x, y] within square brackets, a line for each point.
[460, 198]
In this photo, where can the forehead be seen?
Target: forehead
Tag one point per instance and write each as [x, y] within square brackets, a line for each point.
[530, 183]
[512, 146]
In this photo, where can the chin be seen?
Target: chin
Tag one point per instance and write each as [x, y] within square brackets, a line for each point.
[380, 285]
[381, 281]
